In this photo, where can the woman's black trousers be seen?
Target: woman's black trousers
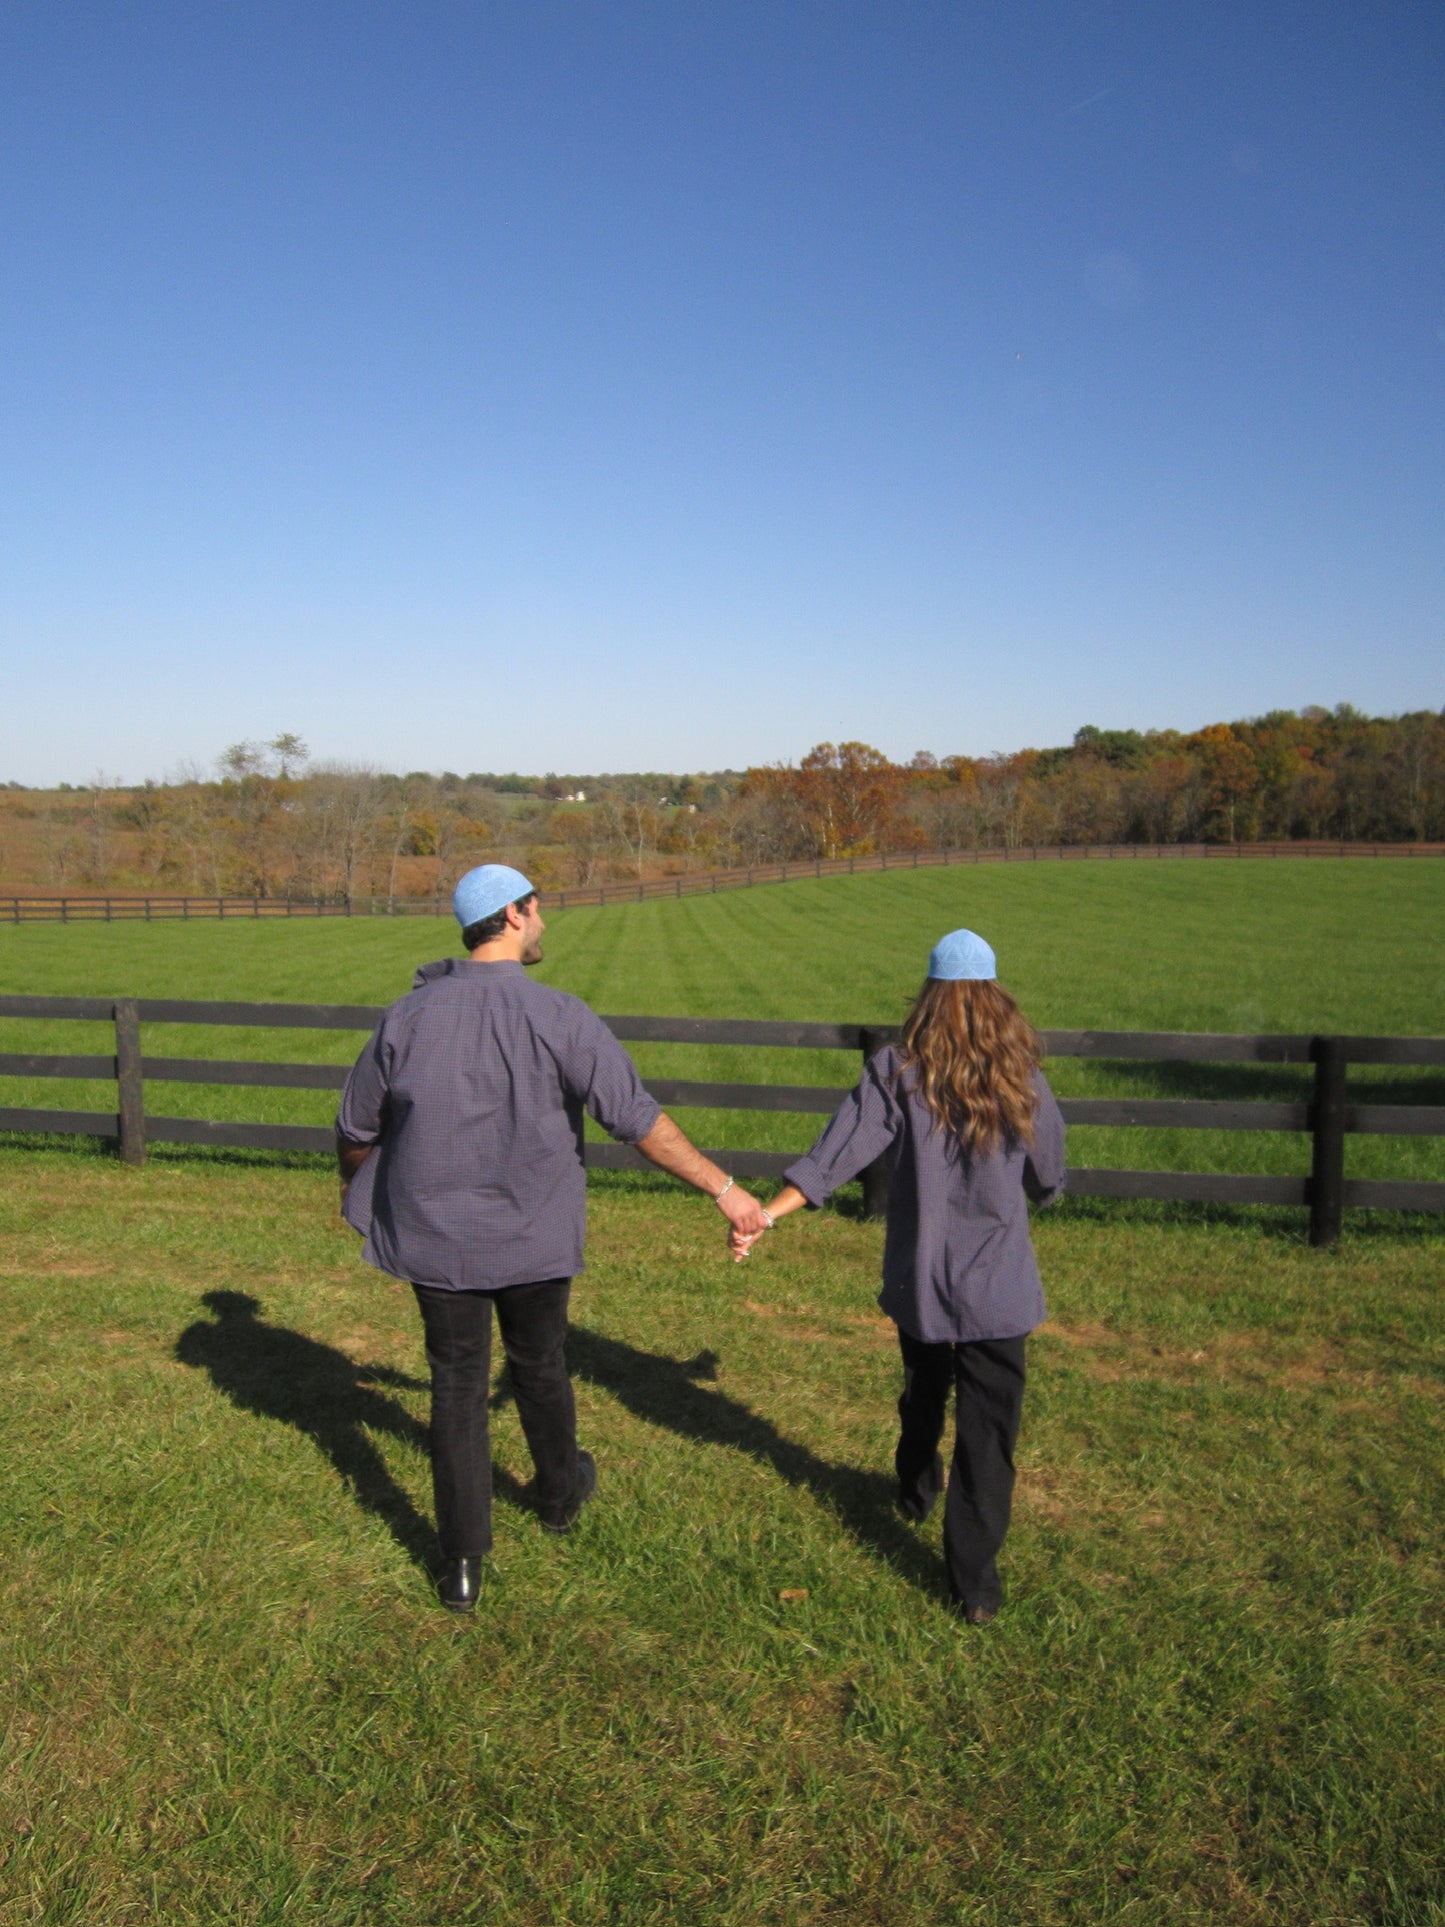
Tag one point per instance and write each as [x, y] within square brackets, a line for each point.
[986, 1377]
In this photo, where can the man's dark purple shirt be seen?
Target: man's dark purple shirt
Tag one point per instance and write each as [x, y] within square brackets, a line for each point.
[472, 1089]
[957, 1260]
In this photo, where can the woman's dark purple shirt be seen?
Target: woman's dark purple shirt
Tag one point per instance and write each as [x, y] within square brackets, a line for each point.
[957, 1261]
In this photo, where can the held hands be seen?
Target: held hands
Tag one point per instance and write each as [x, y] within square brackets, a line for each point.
[746, 1217]
[741, 1243]
[743, 1233]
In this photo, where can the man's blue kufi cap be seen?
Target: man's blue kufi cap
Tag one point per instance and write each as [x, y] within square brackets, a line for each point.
[484, 891]
[962, 956]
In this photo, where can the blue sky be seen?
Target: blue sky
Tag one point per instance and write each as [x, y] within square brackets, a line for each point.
[590, 387]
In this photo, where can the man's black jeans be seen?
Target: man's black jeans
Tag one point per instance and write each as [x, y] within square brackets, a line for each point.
[458, 1325]
[987, 1379]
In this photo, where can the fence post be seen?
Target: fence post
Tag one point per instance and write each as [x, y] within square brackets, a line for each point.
[1327, 1126]
[876, 1174]
[130, 1091]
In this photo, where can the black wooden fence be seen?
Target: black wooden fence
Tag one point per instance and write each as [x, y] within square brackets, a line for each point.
[1328, 1115]
[157, 908]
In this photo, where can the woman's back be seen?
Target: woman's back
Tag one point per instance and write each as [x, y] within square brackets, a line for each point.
[958, 1263]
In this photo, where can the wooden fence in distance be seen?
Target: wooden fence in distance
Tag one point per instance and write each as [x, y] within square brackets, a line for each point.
[1328, 1116]
[155, 908]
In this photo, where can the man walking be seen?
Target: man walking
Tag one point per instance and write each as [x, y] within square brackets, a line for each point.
[459, 1139]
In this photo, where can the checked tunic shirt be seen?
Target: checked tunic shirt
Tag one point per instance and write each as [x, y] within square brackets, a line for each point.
[473, 1089]
[958, 1264]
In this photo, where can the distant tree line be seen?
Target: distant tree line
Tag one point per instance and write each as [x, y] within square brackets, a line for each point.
[270, 822]
[1285, 776]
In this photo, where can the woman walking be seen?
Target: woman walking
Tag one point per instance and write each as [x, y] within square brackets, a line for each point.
[974, 1133]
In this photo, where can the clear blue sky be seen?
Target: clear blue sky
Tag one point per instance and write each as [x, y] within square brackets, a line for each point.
[589, 387]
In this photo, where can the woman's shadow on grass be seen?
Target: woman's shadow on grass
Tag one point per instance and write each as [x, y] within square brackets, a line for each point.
[676, 1394]
[280, 1374]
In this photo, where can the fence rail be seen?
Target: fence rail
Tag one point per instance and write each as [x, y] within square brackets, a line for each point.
[130, 907]
[1328, 1117]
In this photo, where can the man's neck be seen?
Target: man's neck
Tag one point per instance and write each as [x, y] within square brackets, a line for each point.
[506, 949]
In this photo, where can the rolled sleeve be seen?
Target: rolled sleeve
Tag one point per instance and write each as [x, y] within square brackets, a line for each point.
[1044, 1169]
[362, 1109]
[606, 1079]
[862, 1128]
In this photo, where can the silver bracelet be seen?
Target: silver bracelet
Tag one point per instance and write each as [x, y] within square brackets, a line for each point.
[768, 1219]
[718, 1196]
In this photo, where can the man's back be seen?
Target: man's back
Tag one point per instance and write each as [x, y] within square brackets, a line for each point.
[473, 1089]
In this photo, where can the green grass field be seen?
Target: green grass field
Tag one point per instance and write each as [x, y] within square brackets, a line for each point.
[733, 1696]
[1214, 1694]
[1248, 946]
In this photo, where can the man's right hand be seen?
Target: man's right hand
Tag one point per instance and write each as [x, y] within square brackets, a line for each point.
[743, 1213]
[349, 1160]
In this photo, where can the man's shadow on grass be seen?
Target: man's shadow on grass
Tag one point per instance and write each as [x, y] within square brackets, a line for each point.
[280, 1374]
[676, 1394]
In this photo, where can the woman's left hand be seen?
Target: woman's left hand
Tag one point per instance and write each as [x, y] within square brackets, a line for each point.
[740, 1243]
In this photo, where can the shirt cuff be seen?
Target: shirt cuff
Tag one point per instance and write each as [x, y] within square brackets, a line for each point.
[806, 1177]
[635, 1133]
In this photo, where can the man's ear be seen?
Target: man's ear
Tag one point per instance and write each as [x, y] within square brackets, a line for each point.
[515, 919]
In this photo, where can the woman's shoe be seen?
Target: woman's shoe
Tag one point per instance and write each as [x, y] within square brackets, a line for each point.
[917, 1504]
[566, 1518]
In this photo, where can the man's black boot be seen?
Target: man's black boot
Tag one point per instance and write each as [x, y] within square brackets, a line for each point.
[459, 1583]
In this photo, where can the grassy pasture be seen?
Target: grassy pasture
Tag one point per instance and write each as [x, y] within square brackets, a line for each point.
[1246, 946]
[1214, 1695]
[733, 1696]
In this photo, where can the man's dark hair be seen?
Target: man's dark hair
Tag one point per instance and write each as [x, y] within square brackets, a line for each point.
[494, 925]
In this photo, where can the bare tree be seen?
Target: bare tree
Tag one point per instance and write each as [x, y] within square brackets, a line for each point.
[58, 841]
[400, 826]
[344, 806]
[582, 834]
[630, 820]
[195, 826]
[98, 824]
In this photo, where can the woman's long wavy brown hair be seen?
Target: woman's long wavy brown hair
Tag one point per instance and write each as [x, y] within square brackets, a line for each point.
[973, 1054]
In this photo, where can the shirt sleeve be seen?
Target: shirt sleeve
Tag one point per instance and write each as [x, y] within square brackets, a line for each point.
[1044, 1165]
[363, 1098]
[860, 1130]
[599, 1071]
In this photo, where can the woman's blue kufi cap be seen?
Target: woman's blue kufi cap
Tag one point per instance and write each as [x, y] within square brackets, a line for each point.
[962, 956]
